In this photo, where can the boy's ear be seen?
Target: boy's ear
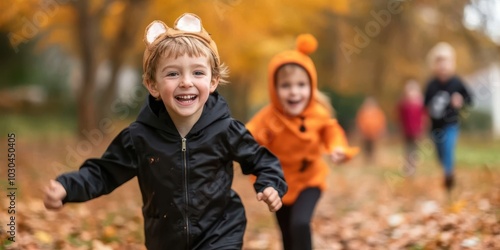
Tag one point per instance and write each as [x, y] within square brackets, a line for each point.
[214, 83]
[154, 30]
[152, 88]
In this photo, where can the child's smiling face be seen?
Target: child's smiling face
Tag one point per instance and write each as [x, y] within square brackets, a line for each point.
[183, 84]
[294, 90]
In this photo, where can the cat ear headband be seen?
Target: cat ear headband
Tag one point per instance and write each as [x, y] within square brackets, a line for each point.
[186, 25]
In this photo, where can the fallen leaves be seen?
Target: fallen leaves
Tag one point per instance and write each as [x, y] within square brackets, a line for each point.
[420, 215]
[361, 210]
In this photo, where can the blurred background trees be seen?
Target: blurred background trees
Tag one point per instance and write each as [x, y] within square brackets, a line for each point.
[83, 59]
[72, 68]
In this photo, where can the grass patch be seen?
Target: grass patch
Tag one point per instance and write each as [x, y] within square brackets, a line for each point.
[473, 153]
[36, 125]
[46, 125]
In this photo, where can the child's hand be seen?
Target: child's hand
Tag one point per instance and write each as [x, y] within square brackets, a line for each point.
[271, 197]
[338, 155]
[54, 194]
[457, 100]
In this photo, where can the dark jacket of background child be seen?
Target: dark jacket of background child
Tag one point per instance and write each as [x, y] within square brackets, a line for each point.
[185, 182]
[438, 101]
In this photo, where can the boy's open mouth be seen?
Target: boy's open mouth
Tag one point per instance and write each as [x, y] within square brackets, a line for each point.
[185, 99]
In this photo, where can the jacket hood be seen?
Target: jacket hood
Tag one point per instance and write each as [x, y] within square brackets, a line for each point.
[305, 44]
[154, 114]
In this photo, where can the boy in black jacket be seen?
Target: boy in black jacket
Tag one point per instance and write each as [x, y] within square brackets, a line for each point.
[444, 97]
[181, 148]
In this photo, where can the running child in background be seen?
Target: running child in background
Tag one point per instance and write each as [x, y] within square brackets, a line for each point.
[371, 123]
[411, 113]
[445, 96]
[297, 127]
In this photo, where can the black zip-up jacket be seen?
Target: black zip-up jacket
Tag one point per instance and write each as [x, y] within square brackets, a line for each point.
[438, 101]
[185, 182]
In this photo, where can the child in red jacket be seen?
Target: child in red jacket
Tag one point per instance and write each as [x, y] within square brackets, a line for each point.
[411, 112]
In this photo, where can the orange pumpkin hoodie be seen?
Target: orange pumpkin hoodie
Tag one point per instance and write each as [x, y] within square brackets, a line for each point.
[299, 142]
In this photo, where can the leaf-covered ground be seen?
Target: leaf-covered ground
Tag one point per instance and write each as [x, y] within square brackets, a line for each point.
[367, 206]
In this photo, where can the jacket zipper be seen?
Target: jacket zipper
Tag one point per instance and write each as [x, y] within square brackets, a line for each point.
[186, 219]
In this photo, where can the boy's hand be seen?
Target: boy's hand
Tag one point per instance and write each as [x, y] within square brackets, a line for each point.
[457, 100]
[54, 194]
[271, 197]
[338, 155]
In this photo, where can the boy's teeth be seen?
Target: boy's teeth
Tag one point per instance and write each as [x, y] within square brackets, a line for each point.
[186, 97]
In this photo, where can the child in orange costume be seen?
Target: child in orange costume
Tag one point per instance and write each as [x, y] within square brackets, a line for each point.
[297, 127]
[370, 121]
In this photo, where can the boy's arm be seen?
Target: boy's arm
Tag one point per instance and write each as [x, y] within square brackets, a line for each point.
[255, 159]
[97, 177]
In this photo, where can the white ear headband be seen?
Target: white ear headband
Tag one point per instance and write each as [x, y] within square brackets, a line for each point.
[156, 28]
[186, 25]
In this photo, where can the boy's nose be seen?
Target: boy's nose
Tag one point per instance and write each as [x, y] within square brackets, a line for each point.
[185, 82]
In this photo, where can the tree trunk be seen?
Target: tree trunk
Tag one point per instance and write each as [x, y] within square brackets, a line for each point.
[235, 94]
[240, 102]
[109, 94]
[86, 32]
[129, 27]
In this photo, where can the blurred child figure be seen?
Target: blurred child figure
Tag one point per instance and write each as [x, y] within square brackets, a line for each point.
[297, 127]
[181, 148]
[370, 121]
[411, 111]
[444, 97]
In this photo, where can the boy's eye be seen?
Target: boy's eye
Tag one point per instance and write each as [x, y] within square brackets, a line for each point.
[199, 73]
[172, 74]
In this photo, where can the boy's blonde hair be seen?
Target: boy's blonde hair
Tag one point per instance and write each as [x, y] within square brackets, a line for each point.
[173, 47]
[187, 37]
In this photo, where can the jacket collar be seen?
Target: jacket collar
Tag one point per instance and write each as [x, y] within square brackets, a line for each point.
[154, 114]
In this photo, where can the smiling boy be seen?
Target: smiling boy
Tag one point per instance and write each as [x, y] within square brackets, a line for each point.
[181, 148]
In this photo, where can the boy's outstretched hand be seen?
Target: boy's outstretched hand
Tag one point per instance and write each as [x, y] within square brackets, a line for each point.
[271, 197]
[54, 194]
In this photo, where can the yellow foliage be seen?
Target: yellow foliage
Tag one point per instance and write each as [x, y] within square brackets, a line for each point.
[43, 237]
[109, 232]
[14, 11]
[457, 206]
[247, 33]
[341, 7]
[112, 21]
